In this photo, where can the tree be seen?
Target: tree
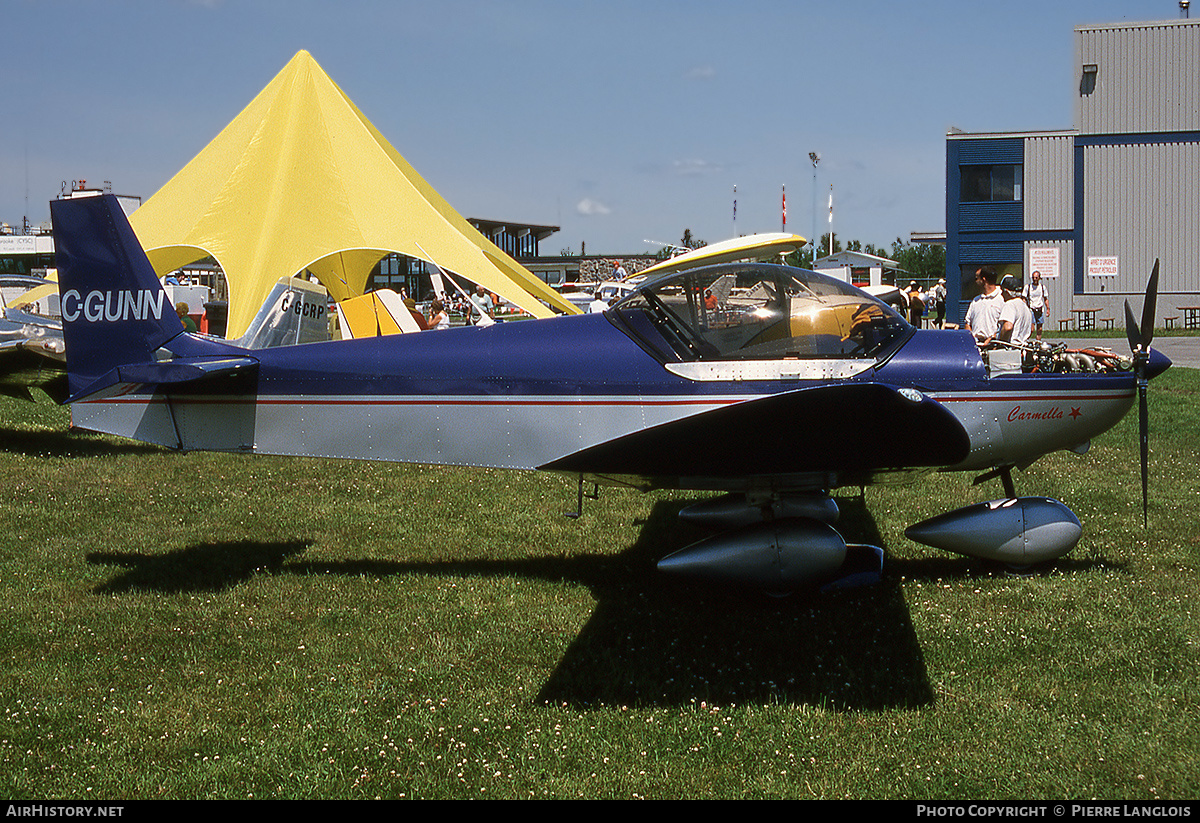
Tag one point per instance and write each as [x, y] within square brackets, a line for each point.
[804, 257]
[920, 261]
[923, 261]
[689, 242]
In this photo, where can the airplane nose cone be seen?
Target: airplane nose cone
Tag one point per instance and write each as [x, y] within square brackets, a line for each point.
[1157, 364]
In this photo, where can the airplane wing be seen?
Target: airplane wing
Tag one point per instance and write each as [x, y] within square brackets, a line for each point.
[751, 247]
[848, 429]
[31, 354]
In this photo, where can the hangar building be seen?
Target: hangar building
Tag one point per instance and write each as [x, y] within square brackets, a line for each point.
[1092, 207]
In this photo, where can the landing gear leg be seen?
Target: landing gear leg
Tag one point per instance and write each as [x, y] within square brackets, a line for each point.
[1005, 475]
[595, 495]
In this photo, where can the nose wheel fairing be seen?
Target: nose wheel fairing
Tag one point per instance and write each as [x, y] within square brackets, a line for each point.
[1018, 531]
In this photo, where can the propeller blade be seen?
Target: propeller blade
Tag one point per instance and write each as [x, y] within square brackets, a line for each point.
[1139, 342]
[1148, 308]
[1132, 332]
[1144, 434]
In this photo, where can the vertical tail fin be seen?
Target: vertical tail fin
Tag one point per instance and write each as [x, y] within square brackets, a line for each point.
[115, 311]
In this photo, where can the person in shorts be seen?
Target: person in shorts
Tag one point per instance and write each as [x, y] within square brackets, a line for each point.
[1038, 298]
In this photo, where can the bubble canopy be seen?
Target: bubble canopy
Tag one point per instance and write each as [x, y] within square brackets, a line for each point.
[761, 312]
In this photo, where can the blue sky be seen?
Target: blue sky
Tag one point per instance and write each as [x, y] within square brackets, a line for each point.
[620, 121]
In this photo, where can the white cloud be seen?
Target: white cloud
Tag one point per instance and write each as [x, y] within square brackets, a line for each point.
[700, 73]
[692, 167]
[588, 206]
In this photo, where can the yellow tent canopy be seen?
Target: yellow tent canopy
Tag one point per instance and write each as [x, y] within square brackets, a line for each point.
[301, 180]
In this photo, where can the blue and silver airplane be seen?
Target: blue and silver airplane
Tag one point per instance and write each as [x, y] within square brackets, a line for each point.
[772, 384]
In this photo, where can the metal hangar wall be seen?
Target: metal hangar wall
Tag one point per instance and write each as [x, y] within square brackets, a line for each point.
[1091, 207]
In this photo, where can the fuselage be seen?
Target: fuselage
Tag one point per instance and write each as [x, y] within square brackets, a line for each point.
[524, 395]
[767, 381]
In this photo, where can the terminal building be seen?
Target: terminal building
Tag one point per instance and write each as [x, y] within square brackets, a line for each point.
[521, 241]
[1092, 207]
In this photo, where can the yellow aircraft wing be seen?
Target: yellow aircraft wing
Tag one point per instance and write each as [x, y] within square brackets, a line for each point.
[751, 247]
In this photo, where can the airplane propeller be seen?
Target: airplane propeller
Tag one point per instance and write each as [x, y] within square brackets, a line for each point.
[1139, 341]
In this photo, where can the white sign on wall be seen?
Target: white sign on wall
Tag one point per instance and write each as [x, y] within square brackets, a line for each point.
[1044, 259]
[26, 244]
[1102, 266]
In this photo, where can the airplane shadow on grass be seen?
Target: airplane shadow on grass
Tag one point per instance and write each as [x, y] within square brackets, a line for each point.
[73, 443]
[658, 640]
[200, 568]
[652, 639]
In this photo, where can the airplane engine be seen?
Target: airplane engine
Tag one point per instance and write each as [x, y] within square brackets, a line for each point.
[1049, 357]
[1018, 531]
[774, 555]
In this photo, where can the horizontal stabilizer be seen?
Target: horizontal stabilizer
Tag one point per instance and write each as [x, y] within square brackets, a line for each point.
[163, 373]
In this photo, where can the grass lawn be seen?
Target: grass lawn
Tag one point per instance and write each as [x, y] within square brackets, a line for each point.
[221, 626]
[1117, 333]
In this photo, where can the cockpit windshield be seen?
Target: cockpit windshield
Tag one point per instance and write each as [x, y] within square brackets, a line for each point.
[764, 312]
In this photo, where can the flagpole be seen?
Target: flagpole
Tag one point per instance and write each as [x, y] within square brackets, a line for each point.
[784, 207]
[735, 210]
[830, 218]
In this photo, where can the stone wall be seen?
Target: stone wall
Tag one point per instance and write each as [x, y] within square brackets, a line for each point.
[601, 268]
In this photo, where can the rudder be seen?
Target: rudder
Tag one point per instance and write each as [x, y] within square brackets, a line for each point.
[115, 311]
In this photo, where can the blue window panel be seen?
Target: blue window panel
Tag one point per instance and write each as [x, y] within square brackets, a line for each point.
[983, 152]
[991, 253]
[993, 216]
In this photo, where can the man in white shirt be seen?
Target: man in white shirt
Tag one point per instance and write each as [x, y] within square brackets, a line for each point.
[1016, 318]
[1038, 298]
[939, 303]
[983, 314]
[483, 302]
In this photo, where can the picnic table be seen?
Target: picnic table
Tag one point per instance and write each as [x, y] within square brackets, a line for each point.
[1085, 318]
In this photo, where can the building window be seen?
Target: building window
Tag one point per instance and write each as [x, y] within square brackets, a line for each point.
[397, 272]
[969, 289]
[997, 183]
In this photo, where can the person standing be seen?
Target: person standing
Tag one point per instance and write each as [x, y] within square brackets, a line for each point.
[939, 303]
[1016, 319]
[483, 302]
[983, 314]
[1038, 298]
[916, 306]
